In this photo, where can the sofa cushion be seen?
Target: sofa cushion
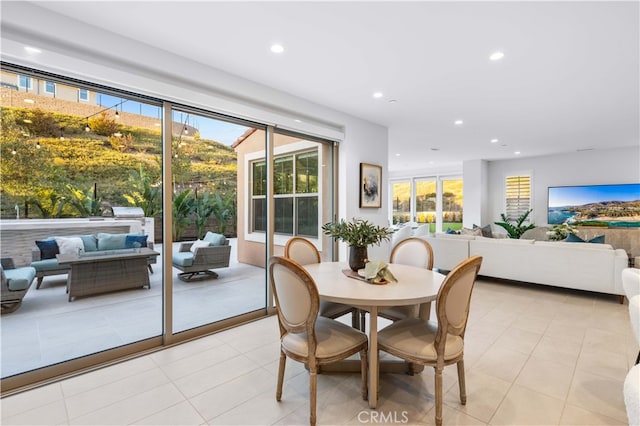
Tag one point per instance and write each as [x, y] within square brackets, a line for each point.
[47, 265]
[69, 245]
[48, 248]
[197, 244]
[183, 258]
[90, 242]
[215, 239]
[19, 278]
[486, 230]
[111, 241]
[135, 241]
[476, 232]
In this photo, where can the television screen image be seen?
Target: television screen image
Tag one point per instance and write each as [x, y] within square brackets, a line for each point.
[599, 205]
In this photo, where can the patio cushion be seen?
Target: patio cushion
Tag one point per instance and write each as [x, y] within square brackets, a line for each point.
[133, 241]
[215, 239]
[183, 258]
[19, 278]
[111, 241]
[47, 265]
[69, 245]
[48, 248]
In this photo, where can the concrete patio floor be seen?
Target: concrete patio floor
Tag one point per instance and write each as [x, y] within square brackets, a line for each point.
[48, 329]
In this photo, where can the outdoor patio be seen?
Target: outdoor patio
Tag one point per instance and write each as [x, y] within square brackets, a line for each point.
[48, 329]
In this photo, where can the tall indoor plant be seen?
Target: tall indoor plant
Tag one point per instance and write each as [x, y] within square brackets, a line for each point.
[358, 234]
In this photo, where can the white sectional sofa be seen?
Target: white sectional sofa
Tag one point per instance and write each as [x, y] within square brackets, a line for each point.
[582, 266]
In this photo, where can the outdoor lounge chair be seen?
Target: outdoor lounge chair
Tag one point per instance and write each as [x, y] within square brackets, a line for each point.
[196, 259]
[15, 284]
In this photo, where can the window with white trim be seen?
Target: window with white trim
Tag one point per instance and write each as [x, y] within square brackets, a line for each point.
[50, 87]
[83, 95]
[517, 195]
[295, 194]
[24, 82]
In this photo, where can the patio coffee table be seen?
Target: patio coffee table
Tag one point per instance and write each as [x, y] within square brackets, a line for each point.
[105, 271]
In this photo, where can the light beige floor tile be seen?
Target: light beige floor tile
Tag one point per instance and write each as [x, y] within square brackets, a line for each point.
[580, 417]
[547, 377]
[484, 395]
[533, 322]
[266, 354]
[215, 375]
[199, 361]
[262, 409]
[182, 413]
[502, 363]
[235, 392]
[573, 332]
[558, 349]
[451, 416]
[133, 408]
[598, 394]
[517, 339]
[596, 340]
[180, 351]
[49, 414]
[103, 396]
[26, 401]
[522, 406]
[604, 363]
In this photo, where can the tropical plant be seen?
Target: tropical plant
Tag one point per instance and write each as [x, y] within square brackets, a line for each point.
[203, 208]
[224, 209]
[49, 203]
[357, 232]
[86, 202]
[146, 194]
[183, 206]
[515, 228]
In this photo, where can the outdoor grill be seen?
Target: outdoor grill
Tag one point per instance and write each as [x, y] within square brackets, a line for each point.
[128, 213]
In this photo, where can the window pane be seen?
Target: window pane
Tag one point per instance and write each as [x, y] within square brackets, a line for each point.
[307, 173]
[283, 175]
[25, 82]
[83, 95]
[307, 216]
[284, 215]
[401, 198]
[259, 205]
[452, 204]
[259, 178]
[426, 202]
[50, 87]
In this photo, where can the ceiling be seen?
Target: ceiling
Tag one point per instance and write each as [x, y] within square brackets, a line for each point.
[569, 80]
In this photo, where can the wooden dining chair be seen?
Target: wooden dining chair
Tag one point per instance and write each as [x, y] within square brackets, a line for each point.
[440, 343]
[306, 337]
[416, 252]
[304, 252]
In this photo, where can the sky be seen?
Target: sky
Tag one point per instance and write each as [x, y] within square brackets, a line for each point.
[220, 131]
[579, 195]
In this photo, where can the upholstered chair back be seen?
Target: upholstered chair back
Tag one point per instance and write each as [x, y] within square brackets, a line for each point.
[302, 251]
[413, 252]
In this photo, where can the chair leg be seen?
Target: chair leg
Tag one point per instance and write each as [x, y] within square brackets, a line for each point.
[313, 378]
[39, 282]
[363, 320]
[462, 383]
[364, 372]
[283, 362]
[438, 396]
[355, 319]
[638, 358]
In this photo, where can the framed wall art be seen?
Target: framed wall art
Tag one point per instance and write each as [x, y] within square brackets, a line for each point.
[370, 186]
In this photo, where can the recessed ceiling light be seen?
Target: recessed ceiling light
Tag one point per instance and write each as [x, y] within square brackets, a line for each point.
[458, 122]
[30, 49]
[494, 140]
[277, 48]
[297, 120]
[496, 56]
[432, 162]
[397, 154]
[517, 152]
[378, 95]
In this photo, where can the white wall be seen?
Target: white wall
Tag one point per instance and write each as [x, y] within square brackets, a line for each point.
[580, 168]
[73, 49]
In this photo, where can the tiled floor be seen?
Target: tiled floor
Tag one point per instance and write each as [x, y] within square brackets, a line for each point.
[534, 355]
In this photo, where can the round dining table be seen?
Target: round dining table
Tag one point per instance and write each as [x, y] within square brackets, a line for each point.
[336, 283]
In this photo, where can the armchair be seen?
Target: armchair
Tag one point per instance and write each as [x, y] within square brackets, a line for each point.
[196, 259]
[15, 284]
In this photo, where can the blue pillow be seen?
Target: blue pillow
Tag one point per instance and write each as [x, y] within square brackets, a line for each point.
[134, 241]
[451, 231]
[48, 249]
[111, 241]
[597, 240]
[215, 239]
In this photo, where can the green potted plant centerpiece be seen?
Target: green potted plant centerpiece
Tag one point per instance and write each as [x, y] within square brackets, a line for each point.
[358, 234]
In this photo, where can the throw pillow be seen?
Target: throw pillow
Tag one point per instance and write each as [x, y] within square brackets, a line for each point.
[451, 231]
[215, 239]
[48, 249]
[486, 230]
[597, 240]
[111, 241]
[573, 238]
[477, 232]
[198, 244]
[90, 242]
[69, 245]
[135, 241]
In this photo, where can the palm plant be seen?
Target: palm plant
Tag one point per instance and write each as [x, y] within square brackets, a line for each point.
[223, 209]
[204, 207]
[183, 206]
[515, 228]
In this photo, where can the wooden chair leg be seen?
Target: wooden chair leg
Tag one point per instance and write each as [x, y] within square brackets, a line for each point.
[364, 372]
[283, 362]
[438, 396]
[313, 378]
[355, 319]
[462, 383]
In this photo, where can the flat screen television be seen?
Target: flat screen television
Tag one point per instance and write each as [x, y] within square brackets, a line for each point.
[599, 205]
